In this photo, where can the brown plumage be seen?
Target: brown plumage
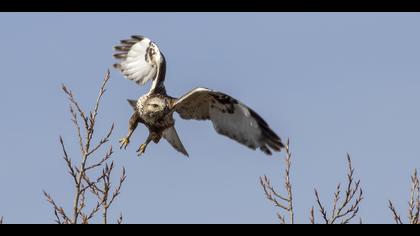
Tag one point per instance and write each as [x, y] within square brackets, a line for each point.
[141, 61]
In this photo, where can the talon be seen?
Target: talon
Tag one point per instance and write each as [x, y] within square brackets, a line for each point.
[141, 149]
[124, 142]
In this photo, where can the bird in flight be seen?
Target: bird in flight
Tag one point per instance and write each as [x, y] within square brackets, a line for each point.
[140, 60]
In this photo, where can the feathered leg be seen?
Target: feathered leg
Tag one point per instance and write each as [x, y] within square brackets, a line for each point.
[132, 125]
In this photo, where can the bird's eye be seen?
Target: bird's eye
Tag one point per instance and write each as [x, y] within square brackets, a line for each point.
[155, 105]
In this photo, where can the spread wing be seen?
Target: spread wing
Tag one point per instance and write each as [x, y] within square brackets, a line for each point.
[141, 61]
[229, 117]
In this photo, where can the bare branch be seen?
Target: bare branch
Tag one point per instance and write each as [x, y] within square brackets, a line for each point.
[93, 185]
[281, 219]
[336, 198]
[58, 211]
[413, 204]
[273, 196]
[397, 217]
[288, 184]
[74, 103]
[68, 161]
[78, 129]
[102, 91]
[102, 161]
[92, 115]
[94, 211]
[312, 216]
[120, 219]
[102, 141]
[348, 209]
[269, 192]
[106, 188]
[117, 191]
[321, 208]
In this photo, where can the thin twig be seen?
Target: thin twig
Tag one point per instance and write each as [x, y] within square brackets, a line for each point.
[271, 195]
[321, 207]
[102, 161]
[102, 141]
[413, 204]
[120, 219]
[288, 183]
[68, 161]
[58, 211]
[312, 216]
[346, 210]
[275, 197]
[281, 219]
[94, 211]
[117, 190]
[74, 103]
[397, 217]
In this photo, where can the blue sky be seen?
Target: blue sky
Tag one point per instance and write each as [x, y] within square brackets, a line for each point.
[331, 82]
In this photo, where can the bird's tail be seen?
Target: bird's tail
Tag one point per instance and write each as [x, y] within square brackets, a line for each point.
[171, 136]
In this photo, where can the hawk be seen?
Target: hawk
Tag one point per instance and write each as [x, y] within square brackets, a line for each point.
[140, 60]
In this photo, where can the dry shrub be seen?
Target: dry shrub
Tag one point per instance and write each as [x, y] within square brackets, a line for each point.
[91, 173]
[345, 205]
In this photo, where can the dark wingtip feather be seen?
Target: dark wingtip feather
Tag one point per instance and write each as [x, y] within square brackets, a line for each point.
[264, 126]
[274, 144]
[128, 42]
[281, 144]
[123, 48]
[270, 137]
[138, 37]
[120, 55]
[260, 120]
[117, 66]
[266, 150]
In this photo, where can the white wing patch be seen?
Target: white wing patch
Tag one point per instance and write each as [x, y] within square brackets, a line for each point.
[135, 63]
[230, 118]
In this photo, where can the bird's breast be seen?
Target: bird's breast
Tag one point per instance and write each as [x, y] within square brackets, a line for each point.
[161, 121]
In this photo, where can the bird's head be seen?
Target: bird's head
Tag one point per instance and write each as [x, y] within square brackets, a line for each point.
[156, 107]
